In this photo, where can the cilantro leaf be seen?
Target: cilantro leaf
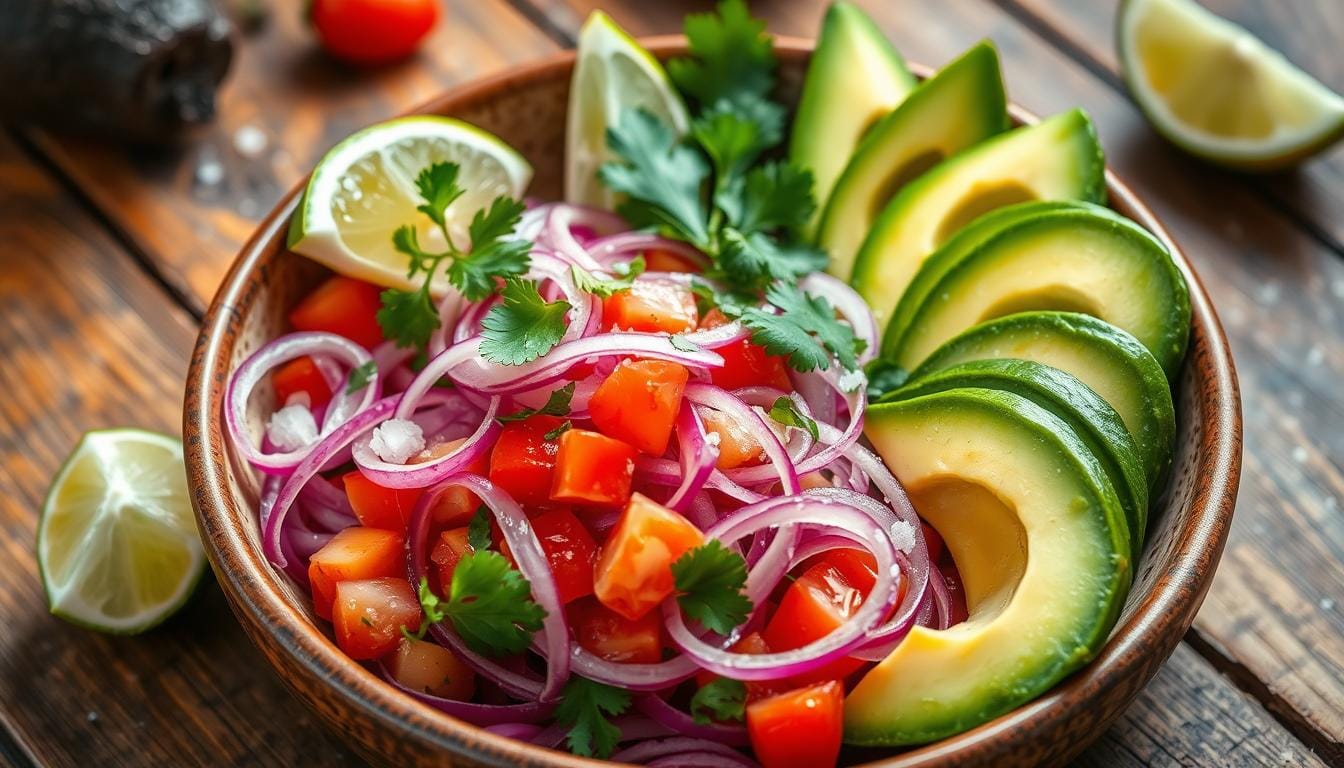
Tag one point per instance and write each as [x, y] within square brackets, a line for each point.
[360, 376]
[605, 287]
[489, 604]
[680, 343]
[408, 317]
[785, 411]
[803, 322]
[475, 274]
[555, 434]
[557, 404]
[776, 195]
[661, 176]
[438, 187]
[752, 260]
[478, 530]
[495, 222]
[584, 708]
[720, 700]
[732, 57]
[732, 141]
[710, 579]
[524, 327]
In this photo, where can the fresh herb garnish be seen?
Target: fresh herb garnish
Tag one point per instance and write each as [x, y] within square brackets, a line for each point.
[681, 344]
[786, 412]
[409, 317]
[709, 581]
[584, 709]
[720, 700]
[489, 604]
[802, 322]
[360, 376]
[606, 287]
[478, 530]
[555, 434]
[557, 404]
[524, 327]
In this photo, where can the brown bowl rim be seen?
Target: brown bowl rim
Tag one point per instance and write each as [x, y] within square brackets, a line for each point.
[1132, 655]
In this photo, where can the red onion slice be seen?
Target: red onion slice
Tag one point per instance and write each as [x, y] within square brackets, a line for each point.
[476, 714]
[658, 710]
[746, 417]
[431, 472]
[695, 455]
[679, 745]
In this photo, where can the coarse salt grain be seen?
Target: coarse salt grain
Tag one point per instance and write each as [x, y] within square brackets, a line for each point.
[903, 536]
[292, 428]
[397, 440]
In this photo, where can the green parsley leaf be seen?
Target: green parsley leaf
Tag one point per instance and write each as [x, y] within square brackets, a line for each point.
[438, 187]
[775, 195]
[732, 141]
[555, 434]
[785, 411]
[584, 709]
[791, 332]
[709, 580]
[495, 222]
[478, 530]
[408, 317]
[755, 259]
[680, 343]
[557, 404]
[489, 604]
[661, 176]
[605, 287]
[524, 327]
[476, 274]
[732, 57]
[720, 700]
[360, 377]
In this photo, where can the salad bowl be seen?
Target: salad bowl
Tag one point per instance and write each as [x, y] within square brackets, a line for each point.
[526, 107]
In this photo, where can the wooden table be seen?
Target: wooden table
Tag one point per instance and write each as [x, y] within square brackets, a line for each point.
[107, 259]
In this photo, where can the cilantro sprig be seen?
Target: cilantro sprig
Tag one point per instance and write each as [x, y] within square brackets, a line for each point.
[720, 700]
[489, 604]
[360, 376]
[524, 326]
[785, 411]
[478, 530]
[607, 287]
[584, 709]
[709, 581]
[557, 404]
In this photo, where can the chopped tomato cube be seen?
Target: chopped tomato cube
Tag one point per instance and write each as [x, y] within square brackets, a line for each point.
[379, 507]
[611, 636]
[523, 460]
[658, 260]
[818, 602]
[430, 668]
[353, 554]
[737, 446]
[448, 551]
[368, 615]
[592, 468]
[755, 645]
[344, 306]
[798, 729]
[570, 551]
[634, 572]
[301, 375]
[651, 306]
[638, 403]
[745, 364]
[455, 505]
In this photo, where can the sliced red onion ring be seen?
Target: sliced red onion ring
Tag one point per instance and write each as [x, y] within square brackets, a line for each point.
[556, 231]
[632, 677]
[700, 760]
[696, 457]
[851, 307]
[678, 745]
[632, 728]
[519, 731]
[476, 714]
[746, 417]
[630, 244]
[836, 442]
[255, 369]
[658, 710]
[432, 372]
[431, 472]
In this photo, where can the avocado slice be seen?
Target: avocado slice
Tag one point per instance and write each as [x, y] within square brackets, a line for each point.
[1091, 418]
[961, 105]
[1042, 547]
[1057, 159]
[1113, 363]
[1083, 258]
[855, 77]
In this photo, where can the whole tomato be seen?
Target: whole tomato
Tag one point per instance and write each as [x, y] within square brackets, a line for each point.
[373, 31]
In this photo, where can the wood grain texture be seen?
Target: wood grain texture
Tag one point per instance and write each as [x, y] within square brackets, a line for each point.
[189, 207]
[87, 340]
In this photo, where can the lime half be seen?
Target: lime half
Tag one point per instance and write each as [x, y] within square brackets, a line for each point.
[117, 544]
[613, 73]
[1217, 91]
[364, 189]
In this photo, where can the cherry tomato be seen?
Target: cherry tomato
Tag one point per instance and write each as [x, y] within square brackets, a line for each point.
[523, 460]
[301, 375]
[379, 507]
[798, 729]
[634, 571]
[653, 307]
[373, 31]
[611, 636]
[353, 554]
[344, 306]
[368, 615]
[745, 364]
[448, 551]
[638, 403]
[591, 468]
[433, 669]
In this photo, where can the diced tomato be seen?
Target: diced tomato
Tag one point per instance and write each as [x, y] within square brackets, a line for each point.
[569, 549]
[653, 307]
[634, 572]
[523, 460]
[638, 403]
[798, 729]
[658, 260]
[368, 615]
[301, 375]
[448, 550]
[857, 566]
[379, 507]
[353, 554]
[753, 644]
[934, 541]
[344, 306]
[592, 468]
[737, 446]
[611, 636]
[818, 602]
[432, 669]
[454, 506]
[745, 364]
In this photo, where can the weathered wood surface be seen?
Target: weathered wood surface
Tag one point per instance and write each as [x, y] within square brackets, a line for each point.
[144, 237]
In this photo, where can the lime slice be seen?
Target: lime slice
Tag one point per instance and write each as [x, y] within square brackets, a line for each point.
[364, 189]
[612, 74]
[1215, 90]
[117, 544]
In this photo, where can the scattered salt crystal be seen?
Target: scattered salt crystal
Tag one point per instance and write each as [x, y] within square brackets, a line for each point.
[397, 440]
[903, 536]
[850, 381]
[249, 140]
[292, 427]
[712, 438]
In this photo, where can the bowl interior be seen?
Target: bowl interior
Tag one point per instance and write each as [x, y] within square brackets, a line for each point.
[526, 108]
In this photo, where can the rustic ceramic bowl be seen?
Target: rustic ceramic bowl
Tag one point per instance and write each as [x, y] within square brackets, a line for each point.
[526, 107]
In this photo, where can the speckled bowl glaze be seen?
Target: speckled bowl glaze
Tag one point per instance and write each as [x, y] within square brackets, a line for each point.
[526, 107]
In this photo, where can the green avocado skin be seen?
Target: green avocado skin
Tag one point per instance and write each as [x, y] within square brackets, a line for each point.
[133, 69]
[1093, 420]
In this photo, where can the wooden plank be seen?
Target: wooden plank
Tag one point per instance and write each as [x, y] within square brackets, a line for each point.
[89, 341]
[1306, 31]
[189, 207]
[1271, 617]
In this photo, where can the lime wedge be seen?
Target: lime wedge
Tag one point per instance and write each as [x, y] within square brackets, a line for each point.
[1217, 91]
[117, 544]
[612, 74]
[364, 189]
